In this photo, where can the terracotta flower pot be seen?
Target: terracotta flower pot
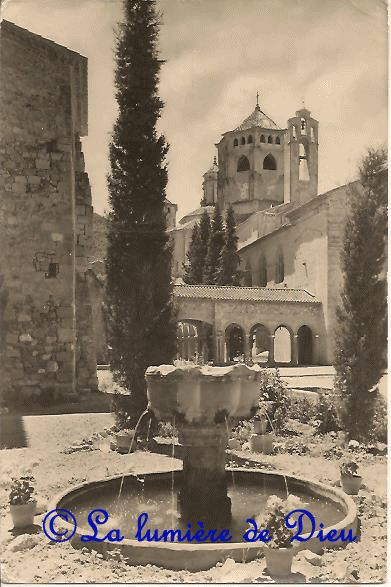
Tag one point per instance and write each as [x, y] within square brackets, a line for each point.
[124, 440]
[23, 515]
[351, 484]
[260, 426]
[279, 561]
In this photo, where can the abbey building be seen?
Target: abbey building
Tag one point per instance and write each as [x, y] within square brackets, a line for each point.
[290, 239]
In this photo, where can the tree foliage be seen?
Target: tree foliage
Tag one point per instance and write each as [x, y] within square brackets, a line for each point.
[141, 326]
[362, 314]
[215, 245]
[198, 249]
[228, 272]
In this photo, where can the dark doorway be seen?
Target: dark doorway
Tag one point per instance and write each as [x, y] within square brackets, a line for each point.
[304, 341]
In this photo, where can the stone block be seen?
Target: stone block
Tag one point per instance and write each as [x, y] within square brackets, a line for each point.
[65, 334]
[11, 338]
[13, 352]
[42, 163]
[24, 318]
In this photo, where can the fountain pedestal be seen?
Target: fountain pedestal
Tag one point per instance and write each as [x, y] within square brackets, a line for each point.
[201, 400]
[203, 495]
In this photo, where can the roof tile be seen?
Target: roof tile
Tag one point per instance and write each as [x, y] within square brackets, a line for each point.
[251, 294]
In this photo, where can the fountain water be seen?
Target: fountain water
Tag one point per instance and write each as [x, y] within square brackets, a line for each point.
[200, 400]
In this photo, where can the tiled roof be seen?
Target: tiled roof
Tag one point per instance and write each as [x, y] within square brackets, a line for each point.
[250, 294]
[257, 118]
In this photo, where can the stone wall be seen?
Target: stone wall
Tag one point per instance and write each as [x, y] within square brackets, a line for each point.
[45, 218]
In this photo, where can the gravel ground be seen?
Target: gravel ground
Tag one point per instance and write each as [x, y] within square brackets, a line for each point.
[31, 558]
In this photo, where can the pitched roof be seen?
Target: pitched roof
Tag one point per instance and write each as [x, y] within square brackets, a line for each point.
[257, 118]
[250, 294]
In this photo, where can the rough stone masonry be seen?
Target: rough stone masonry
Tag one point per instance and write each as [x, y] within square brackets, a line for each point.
[46, 331]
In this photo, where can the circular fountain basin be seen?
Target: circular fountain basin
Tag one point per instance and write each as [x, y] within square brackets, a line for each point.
[156, 495]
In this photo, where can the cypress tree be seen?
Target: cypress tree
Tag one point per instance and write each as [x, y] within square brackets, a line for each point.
[204, 234]
[141, 326]
[362, 314]
[228, 272]
[196, 255]
[192, 274]
[215, 245]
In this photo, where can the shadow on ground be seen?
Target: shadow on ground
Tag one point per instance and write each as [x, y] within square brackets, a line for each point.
[12, 431]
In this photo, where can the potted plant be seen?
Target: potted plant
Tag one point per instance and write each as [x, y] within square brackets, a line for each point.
[125, 440]
[350, 480]
[279, 551]
[260, 420]
[22, 505]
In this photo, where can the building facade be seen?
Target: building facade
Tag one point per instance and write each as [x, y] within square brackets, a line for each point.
[290, 238]
[46, 341]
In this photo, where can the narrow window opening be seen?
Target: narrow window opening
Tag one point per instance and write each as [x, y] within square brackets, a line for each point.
[270, 139]
[243, 141]
[250, 139]
[278, 141]
[262, 138]
[243, 164]
[53, 270]
[269, 163]
[236, 142]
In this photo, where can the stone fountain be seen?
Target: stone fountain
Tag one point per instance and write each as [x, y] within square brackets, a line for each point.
[202, 400]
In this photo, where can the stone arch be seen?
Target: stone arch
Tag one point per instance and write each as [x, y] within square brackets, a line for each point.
[283, 345]
[250, 139]
[263, 272]
[278, 141]
[234, 343]
[259, 343]
[242, 141]
[236, 142]
[262, 138]
[270, 139]
[194, 339]
[270, 163]
[243, 164]
[305, 345]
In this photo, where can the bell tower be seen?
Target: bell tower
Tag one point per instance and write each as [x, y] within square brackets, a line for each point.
[303, 156]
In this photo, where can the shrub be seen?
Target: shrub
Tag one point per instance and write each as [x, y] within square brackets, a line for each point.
[302, 409]
[378, 430]
[326, 416]
[273, 394]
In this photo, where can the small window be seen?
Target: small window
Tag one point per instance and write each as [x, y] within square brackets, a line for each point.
[53, 270]
[270, 139]
[302, 124]
[262, 138]
[236, 142]
[243, 164]
[269, 163]
[278, 141]
[243, 141]
[250, 139]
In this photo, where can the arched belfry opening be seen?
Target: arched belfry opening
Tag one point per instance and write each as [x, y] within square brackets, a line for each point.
[243, 164]
[303, 163]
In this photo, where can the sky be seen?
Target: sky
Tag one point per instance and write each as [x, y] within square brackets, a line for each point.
[218, 53]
